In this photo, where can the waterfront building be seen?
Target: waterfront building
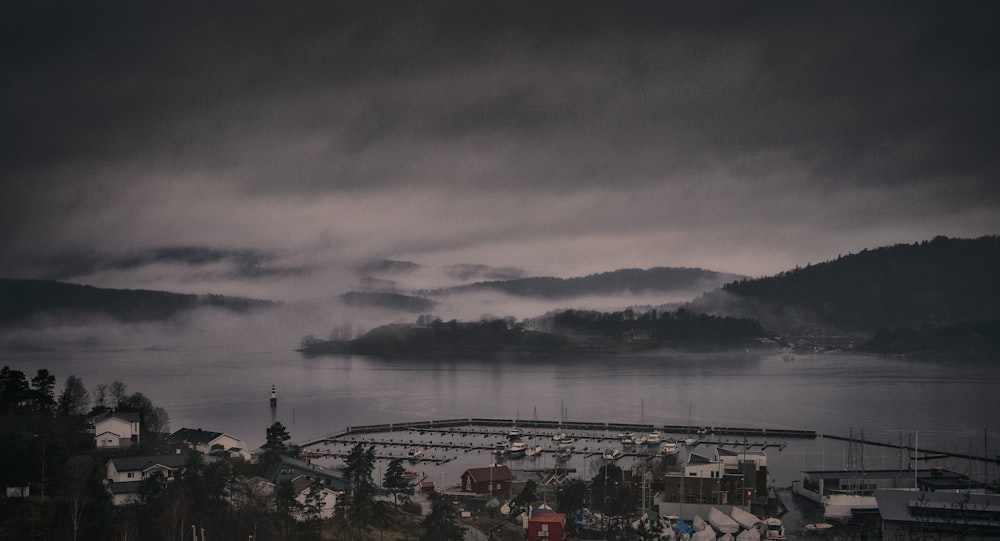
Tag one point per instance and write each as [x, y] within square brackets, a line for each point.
[491, 479]
[848, 493]
[910, 515]
[727, 478]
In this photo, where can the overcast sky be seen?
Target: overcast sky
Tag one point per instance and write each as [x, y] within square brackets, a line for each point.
[241, 146]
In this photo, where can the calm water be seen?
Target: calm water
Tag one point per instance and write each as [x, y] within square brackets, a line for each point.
[952, 406]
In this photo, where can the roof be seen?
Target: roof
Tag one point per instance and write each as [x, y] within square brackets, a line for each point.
[139, 463]
[126, 487]
[279, 472]
[489, 473]
[196, 435]
[557, 518]
[695, 458]
[127, 416]
[903, 505]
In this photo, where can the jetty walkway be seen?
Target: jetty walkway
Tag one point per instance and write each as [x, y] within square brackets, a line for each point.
[473, 425]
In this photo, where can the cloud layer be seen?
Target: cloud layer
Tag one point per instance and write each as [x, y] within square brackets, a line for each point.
[264, 151]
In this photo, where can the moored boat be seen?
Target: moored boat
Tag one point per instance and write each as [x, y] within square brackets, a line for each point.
[669, 448]
[774, 529]
[722, 522]
[818, 526]
[745, 518]
[611, 454]
[517, 449]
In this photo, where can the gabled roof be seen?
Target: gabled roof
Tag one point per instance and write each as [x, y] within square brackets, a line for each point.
[288, 468]
[141, 463]
[196, 436]
[494, 473]
[127, 416]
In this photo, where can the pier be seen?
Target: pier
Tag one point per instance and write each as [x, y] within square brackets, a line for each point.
[928, 454]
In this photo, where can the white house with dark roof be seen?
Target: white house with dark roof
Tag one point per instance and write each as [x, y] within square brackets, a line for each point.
[208, 442]
[116, 430]
[125, 473]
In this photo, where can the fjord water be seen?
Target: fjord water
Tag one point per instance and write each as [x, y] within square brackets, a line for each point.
[949, 405]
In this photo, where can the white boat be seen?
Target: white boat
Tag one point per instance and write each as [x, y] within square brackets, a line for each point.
[414, 454]
[532, 452]
[515, 432]
[517, 448]
[818, 526]
[654, 438]
[746, 519]
[559, 437]
[627, 439]
[690, 441]
[669, 448]
[707, 534]
[722, 522]
[640, 440]
[611, 454]
[774, 529]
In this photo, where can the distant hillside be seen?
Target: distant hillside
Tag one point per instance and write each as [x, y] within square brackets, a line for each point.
[20, 300]
[922, 289]
[624, 281]
[392, 301]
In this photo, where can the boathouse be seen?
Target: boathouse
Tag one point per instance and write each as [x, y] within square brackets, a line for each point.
[494, 478]
[547, 526]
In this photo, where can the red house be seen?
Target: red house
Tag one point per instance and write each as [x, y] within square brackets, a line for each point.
[486, 480]
[547, 527]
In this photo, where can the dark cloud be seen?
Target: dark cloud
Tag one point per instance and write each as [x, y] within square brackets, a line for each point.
[584, 135]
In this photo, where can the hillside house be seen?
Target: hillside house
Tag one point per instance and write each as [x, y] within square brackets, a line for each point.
[125, 473]
[116, 430]
[213, 443]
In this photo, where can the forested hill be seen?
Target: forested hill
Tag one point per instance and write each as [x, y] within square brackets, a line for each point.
[927, 287]
[20, 300]
[623, 281]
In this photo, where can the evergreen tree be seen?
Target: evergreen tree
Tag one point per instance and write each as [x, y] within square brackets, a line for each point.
[395, 480]
[441, 524]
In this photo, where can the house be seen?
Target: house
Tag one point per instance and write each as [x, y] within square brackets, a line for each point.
[213, 443]
[288, 468]
[487, 480]
[325, 499]
[547, 526]
[124, 474]
[912, 514]
[116, 430]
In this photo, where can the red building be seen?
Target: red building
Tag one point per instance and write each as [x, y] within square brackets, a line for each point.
[495, 479]
[547, 527]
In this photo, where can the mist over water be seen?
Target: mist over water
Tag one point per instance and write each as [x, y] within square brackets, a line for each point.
[225, 385]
